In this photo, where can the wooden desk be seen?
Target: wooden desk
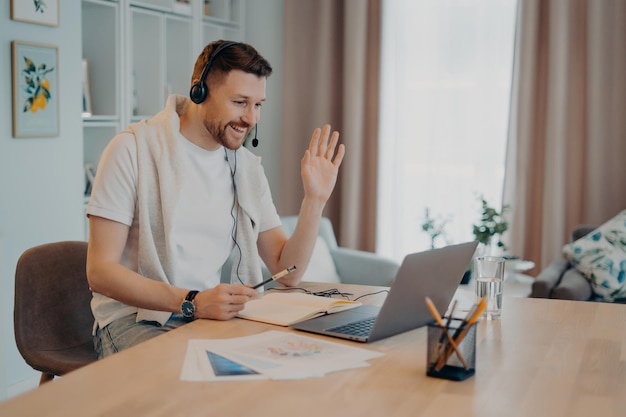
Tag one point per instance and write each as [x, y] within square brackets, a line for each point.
[543, 358]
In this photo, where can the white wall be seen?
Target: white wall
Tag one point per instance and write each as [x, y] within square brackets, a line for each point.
[41, 179]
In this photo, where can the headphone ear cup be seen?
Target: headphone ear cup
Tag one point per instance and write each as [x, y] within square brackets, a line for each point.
[198, 92]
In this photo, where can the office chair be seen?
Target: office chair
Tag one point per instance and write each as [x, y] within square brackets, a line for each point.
[52, 317]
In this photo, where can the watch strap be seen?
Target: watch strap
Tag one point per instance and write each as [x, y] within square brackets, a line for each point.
[191, 295]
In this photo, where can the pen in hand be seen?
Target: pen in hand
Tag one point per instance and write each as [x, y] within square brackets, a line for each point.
[275, 277]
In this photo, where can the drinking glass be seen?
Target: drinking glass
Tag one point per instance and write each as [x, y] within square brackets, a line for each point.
[489, 276]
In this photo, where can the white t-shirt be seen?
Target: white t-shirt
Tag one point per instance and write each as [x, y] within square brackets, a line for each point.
[203, 221]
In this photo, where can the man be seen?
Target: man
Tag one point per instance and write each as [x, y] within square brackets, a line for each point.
[176, 194]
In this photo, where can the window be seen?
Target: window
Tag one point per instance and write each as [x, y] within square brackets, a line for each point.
[445, 91]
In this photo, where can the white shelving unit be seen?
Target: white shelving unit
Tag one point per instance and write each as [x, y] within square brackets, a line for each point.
[139, 52]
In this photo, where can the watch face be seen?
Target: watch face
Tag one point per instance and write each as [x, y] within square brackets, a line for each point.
[187, 308]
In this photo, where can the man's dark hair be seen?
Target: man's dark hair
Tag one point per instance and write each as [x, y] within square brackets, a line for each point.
[239, 56]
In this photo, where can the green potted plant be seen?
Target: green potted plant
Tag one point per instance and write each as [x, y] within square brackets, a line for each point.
[434, 227]
[492, 225]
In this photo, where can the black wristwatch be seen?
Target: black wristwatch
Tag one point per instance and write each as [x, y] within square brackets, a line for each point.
[187, 307]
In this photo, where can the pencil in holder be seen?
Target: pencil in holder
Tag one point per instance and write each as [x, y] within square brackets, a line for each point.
[451, 350]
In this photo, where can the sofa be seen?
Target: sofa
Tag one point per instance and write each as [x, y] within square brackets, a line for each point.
[562, 281]
[335, 264]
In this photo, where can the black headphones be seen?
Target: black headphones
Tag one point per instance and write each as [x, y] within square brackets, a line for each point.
[199, 91]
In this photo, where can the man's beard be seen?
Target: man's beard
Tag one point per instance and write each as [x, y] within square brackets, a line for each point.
[219, 133]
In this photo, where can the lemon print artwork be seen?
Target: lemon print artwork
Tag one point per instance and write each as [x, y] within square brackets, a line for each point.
[37, 85]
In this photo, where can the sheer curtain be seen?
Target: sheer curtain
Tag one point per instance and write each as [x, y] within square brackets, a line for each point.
[445, 92]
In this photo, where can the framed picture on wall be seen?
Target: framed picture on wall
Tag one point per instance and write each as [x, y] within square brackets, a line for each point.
[41, 12]
[35, 72]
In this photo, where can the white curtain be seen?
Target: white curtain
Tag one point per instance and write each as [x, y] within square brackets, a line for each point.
[445, 92]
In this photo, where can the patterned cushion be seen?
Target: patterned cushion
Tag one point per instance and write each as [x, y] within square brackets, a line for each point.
[601, 257]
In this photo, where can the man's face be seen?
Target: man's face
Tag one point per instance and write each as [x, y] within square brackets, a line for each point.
[234, 107]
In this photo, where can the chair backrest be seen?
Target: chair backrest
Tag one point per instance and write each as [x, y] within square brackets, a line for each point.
[325, 230]
[52, 315]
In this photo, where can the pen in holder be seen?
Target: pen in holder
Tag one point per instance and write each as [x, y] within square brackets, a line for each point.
[451, 350]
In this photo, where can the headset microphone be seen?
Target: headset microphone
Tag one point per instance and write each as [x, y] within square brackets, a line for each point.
[255, 141]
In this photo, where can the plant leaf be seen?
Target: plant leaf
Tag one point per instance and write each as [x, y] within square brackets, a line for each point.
[30, 66]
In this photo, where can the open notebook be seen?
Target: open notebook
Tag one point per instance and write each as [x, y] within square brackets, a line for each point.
[284, 309]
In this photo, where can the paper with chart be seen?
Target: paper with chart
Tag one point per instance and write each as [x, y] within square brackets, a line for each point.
[272, 354]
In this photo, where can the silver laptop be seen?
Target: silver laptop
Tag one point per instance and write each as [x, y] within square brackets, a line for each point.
[435, 273]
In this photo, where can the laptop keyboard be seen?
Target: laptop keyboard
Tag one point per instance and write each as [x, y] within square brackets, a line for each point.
[360, 328]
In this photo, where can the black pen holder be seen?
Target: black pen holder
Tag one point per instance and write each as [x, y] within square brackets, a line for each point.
[447, 360]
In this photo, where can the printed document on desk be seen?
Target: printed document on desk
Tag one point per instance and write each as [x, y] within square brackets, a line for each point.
[272, 354]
